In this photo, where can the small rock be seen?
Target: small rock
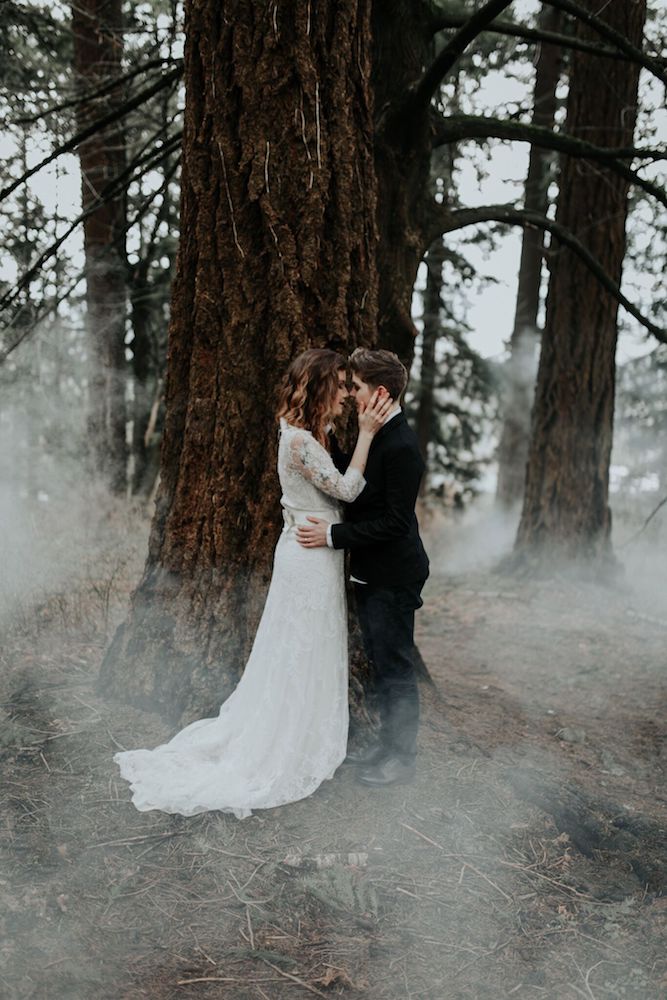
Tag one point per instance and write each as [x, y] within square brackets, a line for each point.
[571, 734]
[610, 764]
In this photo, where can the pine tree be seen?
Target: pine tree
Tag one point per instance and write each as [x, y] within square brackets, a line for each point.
[566, 508]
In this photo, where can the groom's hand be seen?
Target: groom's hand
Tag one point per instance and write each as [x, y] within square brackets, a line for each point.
[314, 535]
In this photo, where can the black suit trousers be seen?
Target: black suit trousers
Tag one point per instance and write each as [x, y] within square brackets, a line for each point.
[387, 620]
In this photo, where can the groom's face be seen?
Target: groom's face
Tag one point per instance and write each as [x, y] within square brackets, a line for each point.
[361, 391]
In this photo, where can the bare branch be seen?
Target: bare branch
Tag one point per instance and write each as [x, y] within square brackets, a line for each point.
[112, 189]
[501, 26]
[450, 221]
[457, 127]
[139, 271]
[424, 89]
[92, 95]
[644, 526]
[95, 127]
[46, 308]
[651, 63]
[460, 127]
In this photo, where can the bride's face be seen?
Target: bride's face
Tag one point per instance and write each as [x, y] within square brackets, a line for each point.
[341, 394]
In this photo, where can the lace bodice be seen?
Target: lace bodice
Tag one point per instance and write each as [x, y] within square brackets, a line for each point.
[308, 476]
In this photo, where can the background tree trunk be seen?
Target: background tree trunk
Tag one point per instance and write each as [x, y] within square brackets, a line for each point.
[566, 502]
[432, 331]
[521, 368]
[97, 28]
[277, 253]
[402, 46]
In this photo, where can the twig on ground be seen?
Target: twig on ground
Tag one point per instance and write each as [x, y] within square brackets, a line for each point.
[295, 979]
[221, 979]
[134, 840]
[466, 864]
[529, 870]
[423, 836]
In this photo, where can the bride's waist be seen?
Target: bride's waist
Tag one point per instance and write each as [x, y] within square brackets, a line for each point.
[299, 515]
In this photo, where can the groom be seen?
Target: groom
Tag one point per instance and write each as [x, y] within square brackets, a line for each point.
[388, 566]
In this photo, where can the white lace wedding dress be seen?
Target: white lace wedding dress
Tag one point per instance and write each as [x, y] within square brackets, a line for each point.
[283, 730]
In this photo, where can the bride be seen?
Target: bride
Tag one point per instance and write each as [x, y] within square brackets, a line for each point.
[283, 730]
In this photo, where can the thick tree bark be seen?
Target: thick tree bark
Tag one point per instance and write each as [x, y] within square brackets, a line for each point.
[97, 30]
[277, 253]
[566, 509]
[521, 368]
[402, 46]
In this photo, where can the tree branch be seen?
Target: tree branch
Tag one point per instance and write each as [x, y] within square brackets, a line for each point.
[442, 21]
[94, 94]
[424, 89]
[651, 63]
[45, 310]
[460, 127]
[509, 215]
[139, 271]
[112, 189]
[95, 127]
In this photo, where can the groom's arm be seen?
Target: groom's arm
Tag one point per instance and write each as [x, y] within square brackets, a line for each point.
[403, 472]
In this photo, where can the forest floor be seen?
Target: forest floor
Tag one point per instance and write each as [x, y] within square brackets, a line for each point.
[528, 859]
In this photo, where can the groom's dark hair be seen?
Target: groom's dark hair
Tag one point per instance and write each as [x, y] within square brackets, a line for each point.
[377, 368]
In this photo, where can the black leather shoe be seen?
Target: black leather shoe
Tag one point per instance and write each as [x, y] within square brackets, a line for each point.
[390, 771]
[372, 754]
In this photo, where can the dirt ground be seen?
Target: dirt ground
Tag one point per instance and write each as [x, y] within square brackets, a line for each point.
[528, 859]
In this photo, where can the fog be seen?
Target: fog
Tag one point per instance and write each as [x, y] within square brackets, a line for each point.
[465, 883]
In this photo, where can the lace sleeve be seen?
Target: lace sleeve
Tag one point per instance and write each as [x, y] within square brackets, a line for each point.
[312, 461]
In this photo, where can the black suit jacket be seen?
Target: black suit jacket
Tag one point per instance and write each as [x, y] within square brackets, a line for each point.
[381, 527]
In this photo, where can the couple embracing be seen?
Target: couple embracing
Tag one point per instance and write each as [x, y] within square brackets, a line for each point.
[284, 728]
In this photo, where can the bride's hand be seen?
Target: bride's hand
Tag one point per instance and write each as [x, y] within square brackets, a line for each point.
[372, 416]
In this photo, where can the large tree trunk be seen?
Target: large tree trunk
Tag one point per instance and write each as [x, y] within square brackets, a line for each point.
[277, 253]
[402, 46]
[97, 30]
[566, 508]
[521, 367]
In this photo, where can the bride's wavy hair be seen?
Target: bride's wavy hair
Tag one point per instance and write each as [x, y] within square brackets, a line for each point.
[309, 389]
